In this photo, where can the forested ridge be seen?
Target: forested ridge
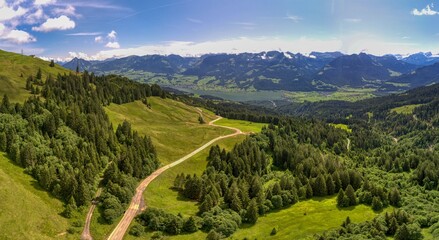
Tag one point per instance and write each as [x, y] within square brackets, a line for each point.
[64, 139]
[388, 159]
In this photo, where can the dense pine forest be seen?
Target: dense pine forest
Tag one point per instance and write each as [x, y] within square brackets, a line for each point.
[64, 139]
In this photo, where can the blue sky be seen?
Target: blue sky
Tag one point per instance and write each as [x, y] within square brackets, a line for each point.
[102, 29]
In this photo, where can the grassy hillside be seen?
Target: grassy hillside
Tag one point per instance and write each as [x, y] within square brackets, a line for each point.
[15, 69]
[304, 219]
[27, 212]
[173, 126]
[406, 109]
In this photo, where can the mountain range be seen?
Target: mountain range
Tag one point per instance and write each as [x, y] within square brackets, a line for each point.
[273, 70]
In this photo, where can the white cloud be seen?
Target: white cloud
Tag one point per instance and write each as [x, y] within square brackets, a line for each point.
[61, 23]
[294, 18]
[2, 28]
[69, 10]
[35, 17]
[427, 11]
[99, 39]
[112, 35]
[237, 45]
[79, 55]
[8, 13]
[18, 36]
[112, 45]
[44, 2]
[352, 20]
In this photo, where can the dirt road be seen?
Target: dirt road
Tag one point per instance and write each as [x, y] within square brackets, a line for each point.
[134, 207]
[86, 232]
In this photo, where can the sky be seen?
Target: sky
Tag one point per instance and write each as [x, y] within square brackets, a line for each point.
[96, 30]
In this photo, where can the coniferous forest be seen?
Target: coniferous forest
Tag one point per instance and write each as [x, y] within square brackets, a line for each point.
[64, 139]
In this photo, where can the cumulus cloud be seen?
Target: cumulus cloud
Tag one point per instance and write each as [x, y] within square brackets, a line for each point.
[69, 10]
[112, 35]
[99, 39]
[61, 23]
[8, 13]
[79, 55]
[18, 36]
[44, 2]
[112, 45]
[427, 11]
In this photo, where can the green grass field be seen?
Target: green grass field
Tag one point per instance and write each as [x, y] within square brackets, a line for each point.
[14, 65]
[173, 126]
[244, 126]
[304, 219]
[343, 94]
[27, 211]
[406, 109]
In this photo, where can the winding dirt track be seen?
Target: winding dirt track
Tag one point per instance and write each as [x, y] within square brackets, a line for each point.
[134, 207]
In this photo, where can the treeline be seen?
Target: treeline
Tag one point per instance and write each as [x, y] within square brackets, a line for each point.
[66, 139]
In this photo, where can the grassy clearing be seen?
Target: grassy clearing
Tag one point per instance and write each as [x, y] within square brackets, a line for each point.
[14, 65]
[27, 211]
[173, 126]
[343, 94]
[406, 109]
[159, 195]
[341, 126]
[304, 219]
[242, 125]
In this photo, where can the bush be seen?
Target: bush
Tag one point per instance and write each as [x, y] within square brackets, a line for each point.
[273, 232]
[136, 230]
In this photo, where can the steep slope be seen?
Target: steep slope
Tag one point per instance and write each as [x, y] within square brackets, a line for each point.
[79, 63]
[362, 70]
[26, 212]
[14, 70]
[420, 77]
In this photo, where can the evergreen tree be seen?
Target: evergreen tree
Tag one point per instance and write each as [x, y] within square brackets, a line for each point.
[39, 74]
[252, 212]
[377, 204]
[190, 225]
[6, 105]
[350, 193]
[52, 63]
[3, 141]
[70, 208]
[320, 188]
[330, 184]
[309, 192]
[342, 200]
